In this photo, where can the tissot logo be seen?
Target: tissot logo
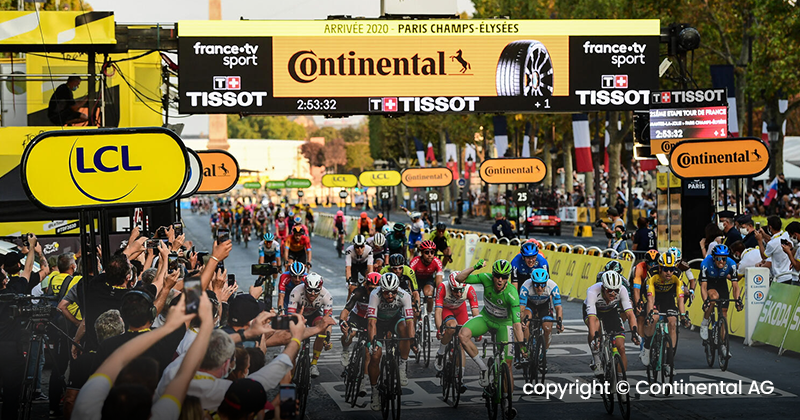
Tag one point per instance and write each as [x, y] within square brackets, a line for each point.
[305, 66]
[227, 83]
[423, 104]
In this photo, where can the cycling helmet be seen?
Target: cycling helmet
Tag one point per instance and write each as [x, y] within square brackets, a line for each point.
[396, 260]
[427, 245]
[340, 213]
[415, 215]
[455, 284]
[501, 268]
[297, 269]
[313, 282]
[611, 280]
[364, 215]
[359, 240]
[540, 276]
[297, 229]
[613, 266]
[373, 279]
[667, 259]
[675, 251]
[380, 216]
[297, 219]
[379, 240]
[651, 256]
[399, 228]
[441, 226]
[529, 250]
[269, 237]
[281, 215]
[721, 251]
[390, 282]
[387, 230]
[291, 213]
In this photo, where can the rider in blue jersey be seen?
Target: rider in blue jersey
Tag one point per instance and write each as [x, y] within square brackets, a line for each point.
[716, 271]
[525, 262]
[539, 298]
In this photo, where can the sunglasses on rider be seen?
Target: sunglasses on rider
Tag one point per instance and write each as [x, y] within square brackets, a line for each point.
[389, 293]
[312, 291]
[720, 259]
[459, 291]
[542, 285]
[428, 252]
[399, 268]
[501, 276]
[358, 246]
[612, 292]
[669, 269]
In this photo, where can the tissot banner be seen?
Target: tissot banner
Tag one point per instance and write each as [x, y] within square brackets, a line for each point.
[434, 66]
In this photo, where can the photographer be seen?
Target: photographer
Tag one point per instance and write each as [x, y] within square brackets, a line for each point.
[105, 291]
[616, 221]
[620, 241]
[22, 279]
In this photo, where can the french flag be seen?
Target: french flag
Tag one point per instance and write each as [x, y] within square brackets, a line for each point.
[583, 147]
[772, 192]
[429, 155]
[783, 105]
[722, 77]
[420, 152]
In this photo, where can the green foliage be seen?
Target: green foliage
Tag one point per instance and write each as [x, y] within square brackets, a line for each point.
[358, 134]
[329, 133]
[264, 127]
[358, 156]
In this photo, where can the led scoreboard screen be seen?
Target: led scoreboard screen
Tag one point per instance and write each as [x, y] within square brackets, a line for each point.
[676, 116]
[422, 66]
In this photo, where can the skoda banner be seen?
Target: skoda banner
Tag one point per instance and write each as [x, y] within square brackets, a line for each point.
[430, 66]
[80, 169]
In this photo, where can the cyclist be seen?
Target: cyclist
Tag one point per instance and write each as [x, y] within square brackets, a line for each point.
[357, 263]
[439, 237]
[389, 311]
[310, 219]
[298, 246]
[451, 310]
[616, 267]
[214, 222]
[396, 242]
[247, 223]
[281, 227]
[716, 271]
[683, 267]
[525, 262]
[417, 225]
[365, 224]
[316, 303]
[378, 244]
[262, 223]
[500, 311]
[604, 301]
[269, 251]
[298, 221]
[663, 289]
[225, 218]
[428, 269]
[408, 280]
[539, 298]
[355, 314]
[290, 279]
[379, 222]
[290, 220]
[642, 271]
[238, 215]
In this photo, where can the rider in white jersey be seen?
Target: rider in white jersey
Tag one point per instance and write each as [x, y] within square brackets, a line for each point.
[317, 303]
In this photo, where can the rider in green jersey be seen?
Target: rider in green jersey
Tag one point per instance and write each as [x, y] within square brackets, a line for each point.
[500, 312]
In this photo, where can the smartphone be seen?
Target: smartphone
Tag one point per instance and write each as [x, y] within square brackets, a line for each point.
[223, 235]
[161, 233]
[288, 401]
[281, 322]
[172, 262]
[177, 227]
[221, 266]
[758, 225]
[202, 258]
[262, 269]
[192, 297]
[231, 279]
[785, 242]
[153, 243]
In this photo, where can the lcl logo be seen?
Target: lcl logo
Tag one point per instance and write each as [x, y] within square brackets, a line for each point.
[570, 268]
[585, 271]
[106, 159]
[556, 267]
[379, 176]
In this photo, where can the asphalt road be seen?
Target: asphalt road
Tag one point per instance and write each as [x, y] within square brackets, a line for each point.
[568, 362]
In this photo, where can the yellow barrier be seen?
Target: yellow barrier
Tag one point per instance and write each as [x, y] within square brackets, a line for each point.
[457, 248]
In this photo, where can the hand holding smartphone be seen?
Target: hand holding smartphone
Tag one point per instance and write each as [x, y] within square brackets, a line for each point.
[223, 235]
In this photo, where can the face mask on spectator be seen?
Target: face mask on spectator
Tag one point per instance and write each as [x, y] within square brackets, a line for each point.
[743, 231]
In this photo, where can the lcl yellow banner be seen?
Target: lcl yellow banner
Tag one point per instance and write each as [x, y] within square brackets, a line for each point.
[339, 180]
[513, 171]
[99, 168]
[379, 178]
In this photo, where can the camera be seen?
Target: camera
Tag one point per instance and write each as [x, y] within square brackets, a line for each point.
[263, 269]
[192, 299]
[153, 243]
[25, 237]
[598, 223]
[281, 322]
[172, 262]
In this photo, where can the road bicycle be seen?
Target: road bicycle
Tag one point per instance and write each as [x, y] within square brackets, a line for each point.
[389, 381]
[340, 243]
[535, 369]
[717, 343]
[500, 391]
[302, 377]
[452, 374]
[660, 350]
[613, 372]
[246, 233]
[423, 332]
[353, 374]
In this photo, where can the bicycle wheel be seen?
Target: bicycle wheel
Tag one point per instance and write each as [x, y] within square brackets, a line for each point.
[608, 379]
[447, 373]
[536, 363]
[724, 349]
[302, 380]
[398, 389]
[357, 364]
[506, 391]
[385, 388]
[709, 347]
[489, 392]
[457, 378]
[624, 400]
[426, 340]
[667, 371]
[417, 338]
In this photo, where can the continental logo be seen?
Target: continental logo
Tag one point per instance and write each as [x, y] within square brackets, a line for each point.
[744, 157]
[220, 171]
[508, 171]
[92, 168]
[427, 177]
[305, 66]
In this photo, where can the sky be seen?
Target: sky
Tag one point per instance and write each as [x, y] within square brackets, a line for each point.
[169, 11]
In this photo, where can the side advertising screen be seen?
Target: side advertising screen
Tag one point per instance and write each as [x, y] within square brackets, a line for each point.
[434, 66]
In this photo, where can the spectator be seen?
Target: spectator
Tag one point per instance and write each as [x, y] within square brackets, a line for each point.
[728, 227]
[645, 238]
[769, 244]
[713, 238]
[792, 250]
[243, 308]
[619, 243]
[615, 221]
[257, 358]
[244, 399]
[191, 409]
[783, 187]
[105, 291]
[747, 229]
[62, 108]
[242, 363]
[620, 205]
[501, 228]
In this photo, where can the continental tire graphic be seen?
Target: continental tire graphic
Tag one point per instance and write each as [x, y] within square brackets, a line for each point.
[524, 69]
